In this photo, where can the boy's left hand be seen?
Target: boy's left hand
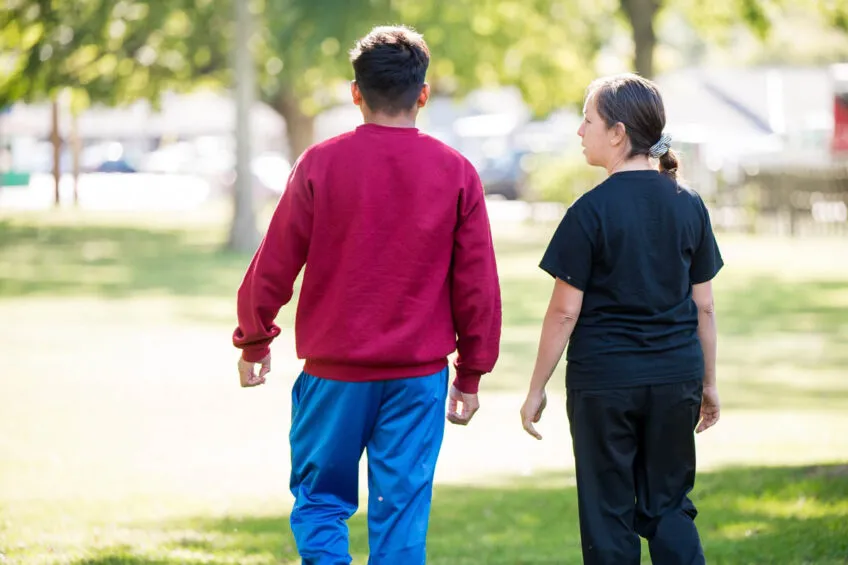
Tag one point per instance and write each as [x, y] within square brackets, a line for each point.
[247, 371]
[461, 406]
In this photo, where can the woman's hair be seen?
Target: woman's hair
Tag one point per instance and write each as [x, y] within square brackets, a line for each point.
[636, 102]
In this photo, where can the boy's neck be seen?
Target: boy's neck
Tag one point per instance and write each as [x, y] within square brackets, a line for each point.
[398, 121]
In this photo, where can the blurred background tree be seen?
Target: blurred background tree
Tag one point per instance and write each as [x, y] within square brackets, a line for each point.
[115, 52]
[106, 51]
[537, 45]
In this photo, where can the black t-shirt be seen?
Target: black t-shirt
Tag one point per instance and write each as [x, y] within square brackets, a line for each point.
[635, 244]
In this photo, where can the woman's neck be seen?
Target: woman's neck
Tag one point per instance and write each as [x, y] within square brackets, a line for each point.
[636, 163]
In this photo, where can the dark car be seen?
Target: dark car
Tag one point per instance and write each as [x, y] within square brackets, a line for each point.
[504, 175]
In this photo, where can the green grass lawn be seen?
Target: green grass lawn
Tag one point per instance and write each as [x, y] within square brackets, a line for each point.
[755, 515]
[125, 439]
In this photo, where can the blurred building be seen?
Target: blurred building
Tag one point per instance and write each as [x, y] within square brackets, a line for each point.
[764, 143]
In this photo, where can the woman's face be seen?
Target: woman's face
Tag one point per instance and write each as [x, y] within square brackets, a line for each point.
[598, 142]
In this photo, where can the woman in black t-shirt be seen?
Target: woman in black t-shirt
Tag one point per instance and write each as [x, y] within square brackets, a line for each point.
[633, 261]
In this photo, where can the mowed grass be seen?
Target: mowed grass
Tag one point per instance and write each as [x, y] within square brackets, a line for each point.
[756, 515]
[125, 440]
[782, 304]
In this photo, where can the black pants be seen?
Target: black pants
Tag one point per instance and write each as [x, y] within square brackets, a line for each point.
[634, 450]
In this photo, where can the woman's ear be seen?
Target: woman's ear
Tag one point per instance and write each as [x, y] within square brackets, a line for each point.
[618, 134]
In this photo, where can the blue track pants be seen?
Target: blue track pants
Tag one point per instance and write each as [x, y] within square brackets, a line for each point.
[401, 424]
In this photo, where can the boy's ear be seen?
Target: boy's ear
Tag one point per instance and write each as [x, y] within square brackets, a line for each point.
[424, 96]
[355, 93]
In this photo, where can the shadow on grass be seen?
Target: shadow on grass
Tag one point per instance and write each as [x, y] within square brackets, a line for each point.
[787, 516]
[769, 330]
[114, 261]
[763, 305]
[755, 306]
[115, 557]
[88, 258]
[753, 395]
[751, 306]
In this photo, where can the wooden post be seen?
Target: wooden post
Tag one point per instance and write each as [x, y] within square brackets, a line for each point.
[75, 150]
[56, 139]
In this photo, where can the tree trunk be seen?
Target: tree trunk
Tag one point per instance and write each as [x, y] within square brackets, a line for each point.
[641, 15]
[75, 149]
[244, 236]
[300, 128]
[56, 139]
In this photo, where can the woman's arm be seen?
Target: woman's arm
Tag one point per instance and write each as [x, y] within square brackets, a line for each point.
[560, 319]
[702, 295]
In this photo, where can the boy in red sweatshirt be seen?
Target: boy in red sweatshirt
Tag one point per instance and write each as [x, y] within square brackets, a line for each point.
[400, 272]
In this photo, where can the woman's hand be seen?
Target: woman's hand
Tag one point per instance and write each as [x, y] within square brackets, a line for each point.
[710, 409]
[531, 412]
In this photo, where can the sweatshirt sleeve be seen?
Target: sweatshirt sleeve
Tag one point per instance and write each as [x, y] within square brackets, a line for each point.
[268, 283]
[475, 289]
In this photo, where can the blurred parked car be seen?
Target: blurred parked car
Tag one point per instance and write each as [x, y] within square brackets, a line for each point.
[504, 175]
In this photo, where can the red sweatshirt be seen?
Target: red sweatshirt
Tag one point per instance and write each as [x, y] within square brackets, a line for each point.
[400, 268]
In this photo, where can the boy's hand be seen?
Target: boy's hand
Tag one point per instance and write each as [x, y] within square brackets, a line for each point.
[470, 405]
[247, 372]
[532, 410]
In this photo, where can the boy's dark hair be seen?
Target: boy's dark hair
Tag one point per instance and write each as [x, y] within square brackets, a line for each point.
[637, 103]
[390, 65]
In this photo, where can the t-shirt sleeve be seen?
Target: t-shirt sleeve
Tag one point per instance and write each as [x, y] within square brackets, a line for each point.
[706, 258]
[569, 253]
